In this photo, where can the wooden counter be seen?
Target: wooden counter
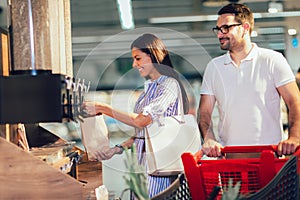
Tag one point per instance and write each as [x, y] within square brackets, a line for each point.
[24, 176]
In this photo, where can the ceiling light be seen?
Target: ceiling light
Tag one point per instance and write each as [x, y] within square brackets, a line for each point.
[125, 14]
[292, 31]
[271, 30]
[254, 34]
[275, 7]
[214, 3]
[192, 18]
[199, 18]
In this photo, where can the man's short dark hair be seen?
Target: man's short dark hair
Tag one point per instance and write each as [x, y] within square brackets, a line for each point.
[242, 13]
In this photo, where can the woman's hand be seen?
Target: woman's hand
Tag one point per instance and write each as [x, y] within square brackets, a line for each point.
[106, 153]
[94, 108]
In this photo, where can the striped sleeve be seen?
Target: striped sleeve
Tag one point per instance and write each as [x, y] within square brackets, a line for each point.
[165, 97]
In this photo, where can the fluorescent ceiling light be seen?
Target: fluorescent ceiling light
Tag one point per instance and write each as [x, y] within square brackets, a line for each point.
[254, 34]
[199, 18]
[292, 31]
[278, 14]
[213, 3]
[125, 14]
[275, 7]
[192, 18]
[271, 30]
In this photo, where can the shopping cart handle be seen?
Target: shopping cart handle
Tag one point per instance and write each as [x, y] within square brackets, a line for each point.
[251, 149]
[239, 149]
[248, 149]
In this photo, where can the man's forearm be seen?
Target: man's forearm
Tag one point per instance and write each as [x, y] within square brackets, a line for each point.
[205, 125]
[294, 122]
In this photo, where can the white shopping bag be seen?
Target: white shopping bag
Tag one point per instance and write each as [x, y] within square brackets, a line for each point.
[166, 140]
[94, 135]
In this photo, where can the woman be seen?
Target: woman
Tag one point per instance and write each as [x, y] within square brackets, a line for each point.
[163, 89]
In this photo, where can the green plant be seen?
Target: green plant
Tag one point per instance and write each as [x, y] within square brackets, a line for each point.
[231, 192]
[135, 178]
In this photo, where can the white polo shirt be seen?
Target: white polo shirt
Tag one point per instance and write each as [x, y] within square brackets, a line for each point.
[247, 99]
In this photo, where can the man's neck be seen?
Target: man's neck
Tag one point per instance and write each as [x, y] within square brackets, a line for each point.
[239, 54]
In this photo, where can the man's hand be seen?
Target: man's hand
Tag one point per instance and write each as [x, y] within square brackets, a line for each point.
[212, 148]
[288, 146]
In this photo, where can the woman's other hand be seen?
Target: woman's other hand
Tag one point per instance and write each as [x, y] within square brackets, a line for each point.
[106, 153]
[93, 108]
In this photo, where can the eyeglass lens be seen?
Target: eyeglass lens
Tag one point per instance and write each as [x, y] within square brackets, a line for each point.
[224, 28]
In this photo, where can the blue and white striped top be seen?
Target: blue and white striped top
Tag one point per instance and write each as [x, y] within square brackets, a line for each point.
[160, 98]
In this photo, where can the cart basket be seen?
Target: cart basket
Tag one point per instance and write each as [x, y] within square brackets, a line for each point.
[253, 173]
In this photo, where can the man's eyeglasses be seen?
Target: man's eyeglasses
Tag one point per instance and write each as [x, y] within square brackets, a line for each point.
[224, 28]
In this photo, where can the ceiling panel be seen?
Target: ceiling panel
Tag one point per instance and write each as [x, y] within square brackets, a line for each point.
[96, 22]
[99, 18]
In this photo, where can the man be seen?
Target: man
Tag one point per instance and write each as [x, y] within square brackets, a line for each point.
[247, 83]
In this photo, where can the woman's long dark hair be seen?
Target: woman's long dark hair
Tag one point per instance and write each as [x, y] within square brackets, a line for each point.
[153, 46]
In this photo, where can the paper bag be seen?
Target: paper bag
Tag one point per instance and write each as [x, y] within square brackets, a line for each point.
[94, 135]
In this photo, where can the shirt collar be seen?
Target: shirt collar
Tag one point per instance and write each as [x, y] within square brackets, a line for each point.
[253, 52]
[149, 82]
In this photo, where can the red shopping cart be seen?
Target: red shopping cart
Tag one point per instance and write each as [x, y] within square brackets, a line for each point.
[207, 179]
